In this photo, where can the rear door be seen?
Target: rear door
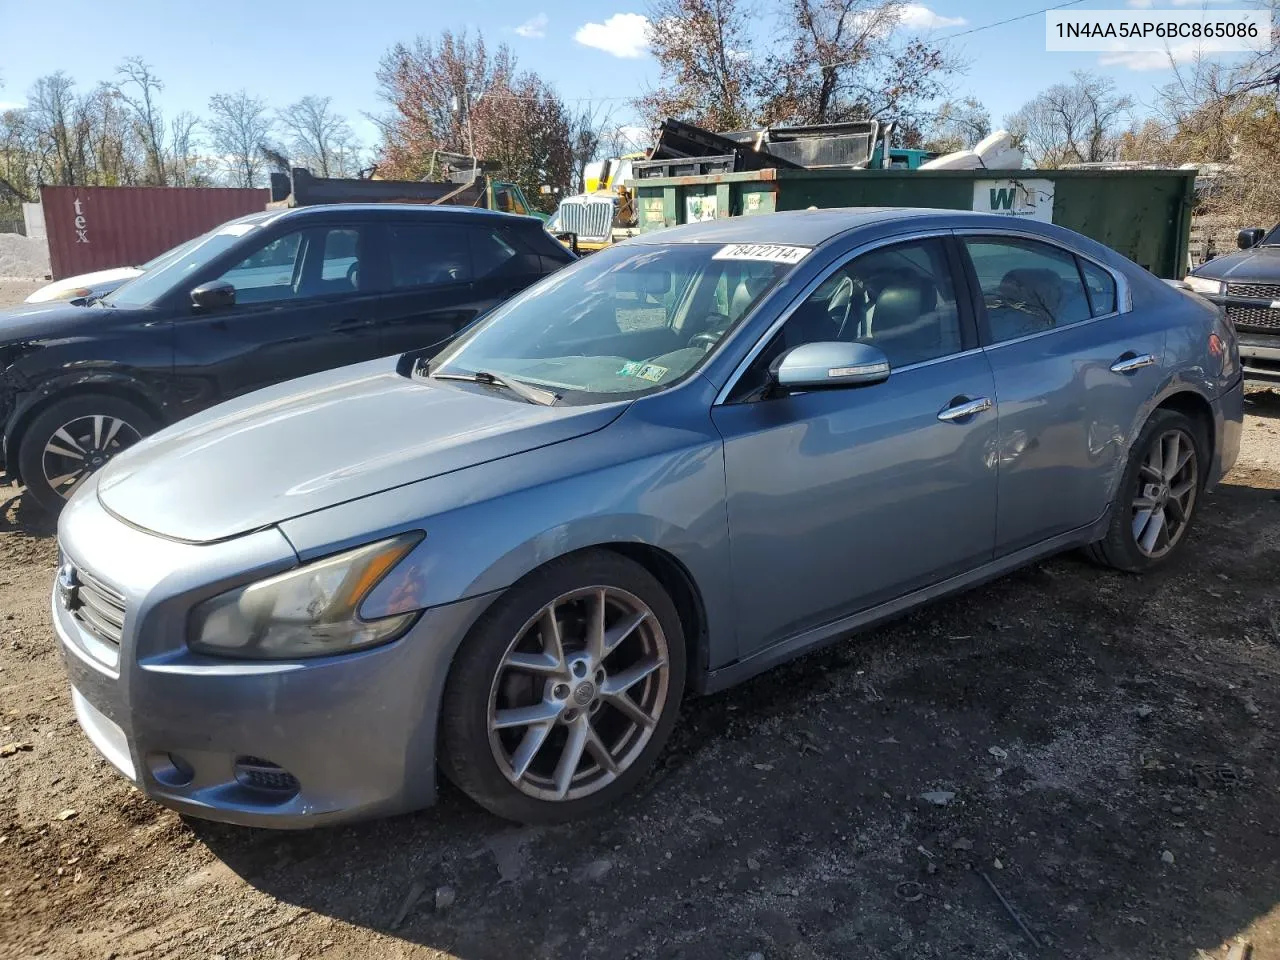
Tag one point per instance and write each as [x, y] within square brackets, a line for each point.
[301, 306]
[1073, 368]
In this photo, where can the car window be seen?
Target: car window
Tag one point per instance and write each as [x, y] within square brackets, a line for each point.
[428, 254]
[498, 253]
[269, 273]
[1027, 286]
[899, 298]
[1101, 287]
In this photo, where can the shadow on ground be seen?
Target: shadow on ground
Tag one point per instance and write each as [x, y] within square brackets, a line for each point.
[1109, 742]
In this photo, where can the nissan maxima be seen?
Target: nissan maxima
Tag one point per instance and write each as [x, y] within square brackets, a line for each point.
[661, 470]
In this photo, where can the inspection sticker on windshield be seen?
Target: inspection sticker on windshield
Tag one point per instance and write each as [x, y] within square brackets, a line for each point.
[771, 252]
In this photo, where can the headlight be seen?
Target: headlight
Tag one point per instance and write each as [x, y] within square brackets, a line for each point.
[311, 611]
[1205, 285]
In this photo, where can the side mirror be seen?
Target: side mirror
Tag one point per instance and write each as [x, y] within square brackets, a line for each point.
[217, 295]
[819, 366]
[1249, 237]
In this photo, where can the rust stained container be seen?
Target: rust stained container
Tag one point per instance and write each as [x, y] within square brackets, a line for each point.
[98, 228]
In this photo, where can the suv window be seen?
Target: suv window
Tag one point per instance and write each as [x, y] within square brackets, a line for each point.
[321, 261]
[427, 254]
[1027, 286]
[498, 252]
[269, 273]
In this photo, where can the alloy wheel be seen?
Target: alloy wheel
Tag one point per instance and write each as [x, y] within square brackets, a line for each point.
[578, 693]
[81, 446]
[1167, 483]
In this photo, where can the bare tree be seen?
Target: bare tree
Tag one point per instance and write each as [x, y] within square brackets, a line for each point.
[704, 50]
[844, 60]
[957, 125]
[320, 138]
[1077, 122]
[140, 89]
[238, 126]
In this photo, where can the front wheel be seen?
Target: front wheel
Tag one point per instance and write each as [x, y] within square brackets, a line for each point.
[564, 693]
[1159, 494]
[71, 439]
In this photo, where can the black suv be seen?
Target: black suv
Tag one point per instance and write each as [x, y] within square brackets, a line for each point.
[261, 299]
[1247, 285]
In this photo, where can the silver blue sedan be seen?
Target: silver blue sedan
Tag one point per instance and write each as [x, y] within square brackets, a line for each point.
[663, 469]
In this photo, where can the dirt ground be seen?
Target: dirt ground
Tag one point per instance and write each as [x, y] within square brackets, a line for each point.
[1105, 746]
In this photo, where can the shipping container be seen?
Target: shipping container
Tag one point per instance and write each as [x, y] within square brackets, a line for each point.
[98, 228]
[1143, 214]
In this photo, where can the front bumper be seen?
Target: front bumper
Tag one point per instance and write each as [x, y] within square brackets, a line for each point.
[353, 736]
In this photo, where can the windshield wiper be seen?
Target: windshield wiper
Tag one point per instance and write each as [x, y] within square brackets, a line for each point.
[533, 394]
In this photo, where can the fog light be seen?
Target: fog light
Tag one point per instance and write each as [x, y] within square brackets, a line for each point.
[169, 769]
[259, 774]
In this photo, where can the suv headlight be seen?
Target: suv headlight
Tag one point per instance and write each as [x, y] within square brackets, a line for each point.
[1205, 285]
[311, 611]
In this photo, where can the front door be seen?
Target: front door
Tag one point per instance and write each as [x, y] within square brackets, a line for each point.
[1072, 374]
[839, 500]
[300, 308]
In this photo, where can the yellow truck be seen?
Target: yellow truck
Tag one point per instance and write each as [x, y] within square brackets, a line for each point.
[605, 213]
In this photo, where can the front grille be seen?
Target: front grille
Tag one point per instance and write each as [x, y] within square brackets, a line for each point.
[1258, 291]
[1253, 318]
[265, 775]
[590, 221]
[98, 608]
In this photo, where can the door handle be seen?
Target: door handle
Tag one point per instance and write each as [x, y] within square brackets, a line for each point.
[1129, 362]
[351, 323]
[962, 409]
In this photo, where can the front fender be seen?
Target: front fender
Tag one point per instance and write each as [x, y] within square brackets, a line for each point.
[27, 403]
[489, 525]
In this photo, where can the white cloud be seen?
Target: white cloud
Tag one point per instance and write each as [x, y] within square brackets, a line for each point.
[535, 28]
[1160, 59]
[918, 17]
[635, 138]
[622, 35]
[11, 104]
[1148, 4]
[1141, 4]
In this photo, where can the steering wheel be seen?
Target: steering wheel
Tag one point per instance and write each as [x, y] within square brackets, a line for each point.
[716, 324]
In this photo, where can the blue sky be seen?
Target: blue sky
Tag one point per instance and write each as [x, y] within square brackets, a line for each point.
[284, 51]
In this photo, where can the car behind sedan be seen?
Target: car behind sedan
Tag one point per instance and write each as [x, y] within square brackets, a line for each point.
[665, 468]
[265, 298]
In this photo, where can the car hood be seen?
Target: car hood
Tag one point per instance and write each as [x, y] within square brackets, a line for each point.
[1258, 265]
[99, 282]
[43, 321]
[321, 441]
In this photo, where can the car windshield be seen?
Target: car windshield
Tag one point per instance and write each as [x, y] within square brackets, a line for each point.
[624, 322]
[1272, 239]
[177, 251]
[176, 265]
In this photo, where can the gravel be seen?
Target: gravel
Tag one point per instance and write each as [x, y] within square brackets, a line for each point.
[22, 258]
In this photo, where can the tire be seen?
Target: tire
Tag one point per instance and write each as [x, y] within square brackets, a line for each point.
[122, 424]
[1121, 547]
[484, 688]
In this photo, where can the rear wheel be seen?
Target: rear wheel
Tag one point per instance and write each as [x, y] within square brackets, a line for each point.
[71, 439]
[1159, 494]
[565, 691]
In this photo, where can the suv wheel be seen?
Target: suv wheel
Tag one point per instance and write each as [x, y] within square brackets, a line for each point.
[73, 438]
[565, 691]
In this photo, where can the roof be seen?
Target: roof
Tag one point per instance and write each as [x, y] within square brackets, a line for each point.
[803, 227]
[442, 210]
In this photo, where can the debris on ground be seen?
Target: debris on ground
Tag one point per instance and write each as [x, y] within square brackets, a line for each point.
[939, 798]
[18, 746]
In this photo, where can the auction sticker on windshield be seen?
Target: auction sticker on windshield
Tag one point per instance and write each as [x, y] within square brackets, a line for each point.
[771, 252]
